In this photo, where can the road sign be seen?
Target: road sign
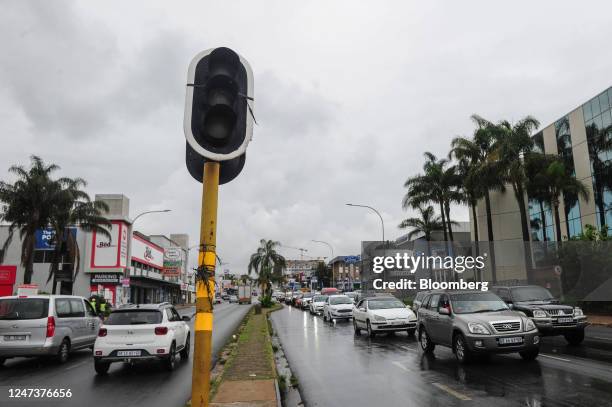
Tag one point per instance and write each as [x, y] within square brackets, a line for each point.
[352, 259]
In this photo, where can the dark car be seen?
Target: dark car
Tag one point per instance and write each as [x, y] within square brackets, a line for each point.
[475, 323]
[550, 316]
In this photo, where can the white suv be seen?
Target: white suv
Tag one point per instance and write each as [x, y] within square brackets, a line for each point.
[383, 314]
[142, 332]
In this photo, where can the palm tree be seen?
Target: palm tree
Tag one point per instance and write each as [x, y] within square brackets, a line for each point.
[479, 171]
[438, 185]
[537, 186]
[562, 182]
[513, 142]
[268, 265]
[73, 207]
[427, 223]
[28, 205]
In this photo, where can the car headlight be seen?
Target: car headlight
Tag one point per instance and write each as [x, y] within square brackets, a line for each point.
[578, 312]
[538, 313]
[477, 328]
[529, 325]
[379, 318]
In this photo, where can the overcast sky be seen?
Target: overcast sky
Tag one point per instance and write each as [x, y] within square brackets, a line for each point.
[348, 96]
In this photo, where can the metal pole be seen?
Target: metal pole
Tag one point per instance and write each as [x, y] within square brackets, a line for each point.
[205, 287]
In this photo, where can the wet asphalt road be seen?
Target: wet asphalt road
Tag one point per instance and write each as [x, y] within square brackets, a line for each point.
[334, 367]
[141, 385]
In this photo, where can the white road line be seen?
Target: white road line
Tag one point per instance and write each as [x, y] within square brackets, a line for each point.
[452, 392]
[77, 365]
[398, 364]
[601, 338]
[555, 357]
[408, 349]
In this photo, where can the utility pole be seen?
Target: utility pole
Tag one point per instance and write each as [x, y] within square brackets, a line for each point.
[218, 126]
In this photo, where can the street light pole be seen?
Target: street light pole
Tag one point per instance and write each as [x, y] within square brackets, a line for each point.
[378, 213]
[130, 235]
[332, 255]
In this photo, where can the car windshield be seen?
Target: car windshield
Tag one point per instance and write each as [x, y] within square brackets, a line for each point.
[340, 300]
[468, 303]
[134, 317]
[319, 298]
[24, 308]
[531, 294]
[351, 295]
[385, 304]
[307, 295]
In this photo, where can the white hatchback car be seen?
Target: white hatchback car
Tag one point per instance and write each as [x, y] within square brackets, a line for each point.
[337, 307]
[317, 304]
[383, 314]
[142, 332]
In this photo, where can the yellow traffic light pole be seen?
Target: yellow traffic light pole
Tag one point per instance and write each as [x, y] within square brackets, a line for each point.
[205, 287]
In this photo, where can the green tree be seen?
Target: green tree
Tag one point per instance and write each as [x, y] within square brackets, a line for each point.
[28, 205]
[73, 207]
[438, 185]
[600, 145]
[512, 143]
[323, 274]
[268, 265]
[427, 223]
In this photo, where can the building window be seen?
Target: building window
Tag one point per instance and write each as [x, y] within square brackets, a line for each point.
[564, 147]
[598, 122]
[541, 221]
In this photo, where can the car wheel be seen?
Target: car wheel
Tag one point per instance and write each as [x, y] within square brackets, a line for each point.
[63, 352]
[185, 351]
[356, 328]
[324, 316]
[530, 354]
[426, 344]
[171, 359]
[101, 367]
[575, 338]
[371, 332]
[410, 333]
[462, 353]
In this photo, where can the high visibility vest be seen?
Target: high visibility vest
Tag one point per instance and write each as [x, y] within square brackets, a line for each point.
[103, 307]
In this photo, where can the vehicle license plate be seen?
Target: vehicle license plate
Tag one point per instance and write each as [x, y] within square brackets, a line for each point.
[128, 353]
[14, 337]
[565, 320]
[512, 340]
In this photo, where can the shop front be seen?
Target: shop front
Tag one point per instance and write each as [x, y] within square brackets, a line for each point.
[108, 286]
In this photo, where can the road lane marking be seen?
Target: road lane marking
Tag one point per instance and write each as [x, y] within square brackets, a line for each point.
[555, 357]
[452, 392]
[77, 365]
[408, 349]
[602, 338]
[398, 364]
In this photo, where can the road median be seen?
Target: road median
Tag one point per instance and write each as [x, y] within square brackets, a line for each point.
[248, 377]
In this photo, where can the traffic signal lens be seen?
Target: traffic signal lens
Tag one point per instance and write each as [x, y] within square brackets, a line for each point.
[219, 124]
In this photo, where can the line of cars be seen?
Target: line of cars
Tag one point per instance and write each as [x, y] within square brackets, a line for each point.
[473, 324]
[55, 325]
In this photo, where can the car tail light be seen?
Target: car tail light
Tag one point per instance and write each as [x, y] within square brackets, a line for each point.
[161, 350]
[161, 330]
[50, 327]
[98, 353]
[102, 332]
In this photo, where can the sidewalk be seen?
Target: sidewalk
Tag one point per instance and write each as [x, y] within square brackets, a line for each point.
[249, 378]
[600, 320]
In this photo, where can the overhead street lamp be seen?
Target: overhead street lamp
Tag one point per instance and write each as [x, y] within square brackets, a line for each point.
[378, 213]
[331, 258]
[130, 235]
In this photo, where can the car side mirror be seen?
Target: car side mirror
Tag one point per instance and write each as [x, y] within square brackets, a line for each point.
[511, 305]
[408, 306]
[186, 318]
[444, 311]
[362, 309]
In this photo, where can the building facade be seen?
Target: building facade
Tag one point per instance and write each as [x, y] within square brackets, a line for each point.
[346, 274]
[581, 138]
[156, 270]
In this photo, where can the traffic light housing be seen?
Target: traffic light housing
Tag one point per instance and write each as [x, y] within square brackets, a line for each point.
[218, 121]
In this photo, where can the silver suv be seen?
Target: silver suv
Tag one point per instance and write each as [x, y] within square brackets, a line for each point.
[46, 325]
[475, 322]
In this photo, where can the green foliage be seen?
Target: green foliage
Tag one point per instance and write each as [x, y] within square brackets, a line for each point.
[268, 265]
[266, 301]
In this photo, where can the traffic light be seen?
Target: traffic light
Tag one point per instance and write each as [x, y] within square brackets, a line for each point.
[218, 121]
